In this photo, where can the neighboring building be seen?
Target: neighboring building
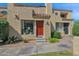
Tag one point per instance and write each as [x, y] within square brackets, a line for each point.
[3, 12]
[32, 22]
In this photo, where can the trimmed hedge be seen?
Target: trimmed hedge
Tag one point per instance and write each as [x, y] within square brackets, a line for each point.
[53, 40]
[56, 35]
[4, 31]
[75, 30]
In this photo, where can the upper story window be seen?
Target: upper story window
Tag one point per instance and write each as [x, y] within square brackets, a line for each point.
[56, 13]
[4, 12]
[63, 15]
[33, 12]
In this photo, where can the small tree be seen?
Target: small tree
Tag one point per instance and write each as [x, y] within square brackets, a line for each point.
[4, 31]
[76, 28]
[56, 34]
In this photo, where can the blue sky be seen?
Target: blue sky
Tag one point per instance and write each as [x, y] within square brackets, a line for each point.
[68, 6]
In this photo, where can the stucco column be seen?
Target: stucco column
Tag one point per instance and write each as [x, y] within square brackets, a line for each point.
[47, 28]
[35, 27]
[49, 8]
[70, 28]
[62, 29]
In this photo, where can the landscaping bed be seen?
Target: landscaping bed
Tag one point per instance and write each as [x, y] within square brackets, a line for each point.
[55, 37]
[65, 53]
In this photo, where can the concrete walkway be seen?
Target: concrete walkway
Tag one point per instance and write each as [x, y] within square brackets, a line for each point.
[76, 46]
[25, 49]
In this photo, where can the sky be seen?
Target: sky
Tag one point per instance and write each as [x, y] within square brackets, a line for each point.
[68, 6]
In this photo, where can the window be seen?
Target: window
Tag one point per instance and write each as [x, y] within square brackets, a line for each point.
[63, 15]
[56, 13]
[4, 12]
[33, 12]
[27, 27]
[58, 27]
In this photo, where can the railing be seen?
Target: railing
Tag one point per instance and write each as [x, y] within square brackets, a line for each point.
[41, 16]
[67, 19]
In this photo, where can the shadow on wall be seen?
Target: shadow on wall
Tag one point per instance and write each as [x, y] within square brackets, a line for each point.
[13, 32]
[52, 28]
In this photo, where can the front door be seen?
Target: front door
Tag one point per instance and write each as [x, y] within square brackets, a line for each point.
[39, 28]
[66, 25]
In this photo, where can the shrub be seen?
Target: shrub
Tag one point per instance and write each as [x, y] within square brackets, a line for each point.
[12, 39]
[25, 41]
[56, 35]
[53, 40]
[4, 31]
[52, 33]
[75, 30]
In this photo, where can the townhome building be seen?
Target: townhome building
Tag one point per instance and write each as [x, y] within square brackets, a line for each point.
[33, 22]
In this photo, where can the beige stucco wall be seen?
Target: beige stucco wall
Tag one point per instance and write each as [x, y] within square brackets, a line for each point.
[15, 25]
[25, 13]
[3, 9]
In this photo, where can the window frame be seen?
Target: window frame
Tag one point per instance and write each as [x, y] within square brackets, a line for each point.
[23, 26]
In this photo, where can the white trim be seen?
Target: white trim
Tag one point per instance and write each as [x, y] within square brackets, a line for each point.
[34, 28]
[43, 28]
[69, 29]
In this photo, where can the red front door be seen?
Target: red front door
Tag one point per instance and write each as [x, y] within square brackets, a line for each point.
[39, 28]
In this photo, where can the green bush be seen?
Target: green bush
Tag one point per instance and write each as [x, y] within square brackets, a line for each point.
[56, 35]
[12, 39]
[4, 30]
[4, 33]
[53, 40]
[75, 30]
[52, 33]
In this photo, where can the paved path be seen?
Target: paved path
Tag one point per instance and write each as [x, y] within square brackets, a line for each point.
[24, 49]
[17, 49]
[76, 46]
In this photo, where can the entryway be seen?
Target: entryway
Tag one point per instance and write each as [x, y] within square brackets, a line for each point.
[39, 28]
[40, 31]
[66, 25]
[62, 27]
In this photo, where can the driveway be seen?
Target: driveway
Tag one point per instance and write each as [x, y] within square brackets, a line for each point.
[25, 49]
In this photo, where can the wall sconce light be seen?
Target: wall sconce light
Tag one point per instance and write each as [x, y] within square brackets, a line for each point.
[47, 23]
[17, 17]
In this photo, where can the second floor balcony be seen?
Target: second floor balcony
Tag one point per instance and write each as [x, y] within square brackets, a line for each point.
[67, 19]
[63, 15]
[40, 15]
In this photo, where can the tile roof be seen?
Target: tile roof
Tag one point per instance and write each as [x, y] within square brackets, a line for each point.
[3, 7]
[21, 5]
[62, 10]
